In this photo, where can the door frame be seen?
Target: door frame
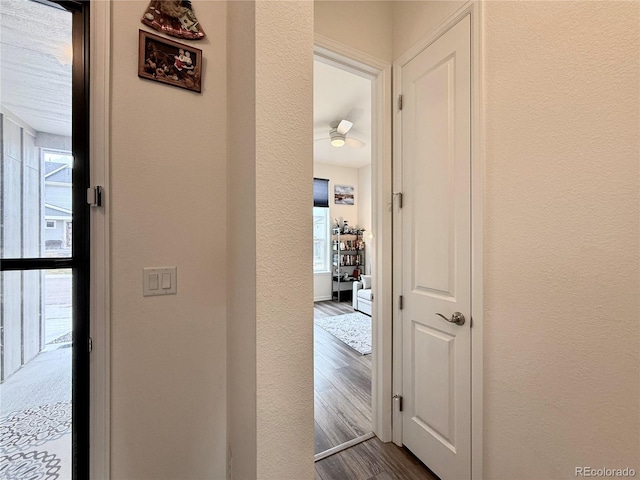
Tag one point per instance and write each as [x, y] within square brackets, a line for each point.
[473, 8]
[99, 256]
[379, 71]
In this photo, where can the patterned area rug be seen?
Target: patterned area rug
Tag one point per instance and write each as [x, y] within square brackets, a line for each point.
[45, 426]
[354, 329]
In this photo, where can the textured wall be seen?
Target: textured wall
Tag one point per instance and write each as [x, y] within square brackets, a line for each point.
[412, 20]
[561, 238]
[241, 235]
[364, 25]
[168, 207]
[284, 186]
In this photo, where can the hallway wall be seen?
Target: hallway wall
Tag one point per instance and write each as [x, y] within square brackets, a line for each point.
[168, 207]
[270, 321]
[561, 238]
[363, 25]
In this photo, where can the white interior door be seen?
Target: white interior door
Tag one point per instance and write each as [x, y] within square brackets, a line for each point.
[436, 268]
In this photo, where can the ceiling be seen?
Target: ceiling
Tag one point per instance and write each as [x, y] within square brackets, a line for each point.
[338, 95]
[35, 71]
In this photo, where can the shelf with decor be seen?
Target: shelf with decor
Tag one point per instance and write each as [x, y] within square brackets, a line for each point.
[348, 260]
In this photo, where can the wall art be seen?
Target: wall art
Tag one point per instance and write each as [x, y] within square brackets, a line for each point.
[343, 195]
[169, 62]
[173, 17]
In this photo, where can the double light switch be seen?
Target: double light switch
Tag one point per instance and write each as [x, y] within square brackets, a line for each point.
[159, 281]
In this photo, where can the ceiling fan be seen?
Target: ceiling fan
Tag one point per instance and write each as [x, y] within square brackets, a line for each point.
[338, 134]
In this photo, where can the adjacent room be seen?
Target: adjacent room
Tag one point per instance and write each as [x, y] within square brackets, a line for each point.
[342, 260]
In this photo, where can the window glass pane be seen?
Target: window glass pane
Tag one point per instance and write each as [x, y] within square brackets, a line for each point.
[57, 203]
[35, 367]
[35, 116]
[320, 239]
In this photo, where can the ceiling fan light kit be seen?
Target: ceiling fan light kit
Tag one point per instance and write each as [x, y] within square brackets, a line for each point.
[338, 135]
[337, 139]
[338, 132]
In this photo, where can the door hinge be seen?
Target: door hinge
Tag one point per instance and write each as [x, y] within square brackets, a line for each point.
[400, 302]
[399, 102]
[94, 196]
[90, 344]
[400, 198]
[398, 399]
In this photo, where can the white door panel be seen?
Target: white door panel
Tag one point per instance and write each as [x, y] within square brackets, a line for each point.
[436, 268]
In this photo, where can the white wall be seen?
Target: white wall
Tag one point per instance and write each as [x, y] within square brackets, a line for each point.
[270, 319]
[561, 238]
[364, 25]
[241, 244]
[284, 316]
[413, 19]
[20, 237]
[168, 207]
[364, 210]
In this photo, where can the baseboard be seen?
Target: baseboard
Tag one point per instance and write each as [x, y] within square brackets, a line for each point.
[322, 299]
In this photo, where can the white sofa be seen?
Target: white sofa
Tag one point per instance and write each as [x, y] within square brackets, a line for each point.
[362, 295]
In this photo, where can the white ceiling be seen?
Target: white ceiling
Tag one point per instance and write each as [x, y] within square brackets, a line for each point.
[35, 67]
[338, 95]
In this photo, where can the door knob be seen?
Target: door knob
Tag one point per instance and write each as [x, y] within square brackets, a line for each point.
[456, 318]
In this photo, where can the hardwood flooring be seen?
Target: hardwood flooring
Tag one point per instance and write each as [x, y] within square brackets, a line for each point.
[373, 460]
[342, 385]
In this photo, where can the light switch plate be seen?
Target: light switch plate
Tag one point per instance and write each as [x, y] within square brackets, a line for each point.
[159, 281]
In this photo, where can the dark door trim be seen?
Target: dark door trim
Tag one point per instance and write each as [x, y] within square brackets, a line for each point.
[80, 240]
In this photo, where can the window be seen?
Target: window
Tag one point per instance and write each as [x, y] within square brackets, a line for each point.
[320, 240]
[51, 224]
[60, 157]
[320, 192]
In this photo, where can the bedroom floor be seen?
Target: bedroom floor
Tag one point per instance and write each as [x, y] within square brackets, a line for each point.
[342, 388]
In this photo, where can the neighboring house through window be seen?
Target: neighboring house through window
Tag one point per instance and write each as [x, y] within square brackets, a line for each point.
[57, 199]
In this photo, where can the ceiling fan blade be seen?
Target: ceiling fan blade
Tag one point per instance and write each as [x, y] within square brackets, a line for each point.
[354, 142]
[344, 126]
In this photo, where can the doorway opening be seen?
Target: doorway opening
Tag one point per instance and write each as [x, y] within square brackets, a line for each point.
[44, 240]
[343, 243]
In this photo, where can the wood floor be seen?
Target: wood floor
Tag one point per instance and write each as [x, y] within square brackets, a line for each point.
[343, 412]
[342, 385]
[373, 460]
